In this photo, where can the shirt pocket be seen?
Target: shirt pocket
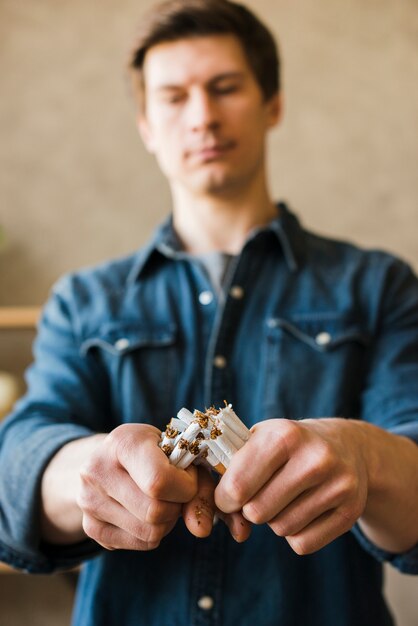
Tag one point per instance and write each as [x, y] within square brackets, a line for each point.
[140, 361]
[314, 366]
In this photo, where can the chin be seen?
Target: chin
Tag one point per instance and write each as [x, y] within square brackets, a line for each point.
[214, 184]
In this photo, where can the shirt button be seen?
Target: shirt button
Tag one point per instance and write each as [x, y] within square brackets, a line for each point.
[236, 292]
[219, 361]
[205, 297]
[121, 344]
[206, 603]
[323, 339]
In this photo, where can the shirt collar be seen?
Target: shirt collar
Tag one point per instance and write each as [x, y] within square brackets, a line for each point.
[290, 235]
[165, 242]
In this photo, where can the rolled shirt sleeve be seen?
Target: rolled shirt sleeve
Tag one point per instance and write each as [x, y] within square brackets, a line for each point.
[390, 398]
[65, 401]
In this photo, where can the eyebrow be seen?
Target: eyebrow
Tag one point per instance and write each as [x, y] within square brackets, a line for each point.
[212, 81]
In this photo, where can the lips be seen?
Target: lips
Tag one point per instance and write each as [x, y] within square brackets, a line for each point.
[210, 152]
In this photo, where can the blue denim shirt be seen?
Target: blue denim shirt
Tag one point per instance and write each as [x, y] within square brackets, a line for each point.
[317, 328]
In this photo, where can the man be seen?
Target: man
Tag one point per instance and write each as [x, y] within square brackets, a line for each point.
[313, 341]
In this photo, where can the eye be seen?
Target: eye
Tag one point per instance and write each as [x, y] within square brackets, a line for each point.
[225, 89]
[173, 97]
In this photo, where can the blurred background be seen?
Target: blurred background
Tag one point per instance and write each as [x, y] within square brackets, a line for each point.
[77, 187]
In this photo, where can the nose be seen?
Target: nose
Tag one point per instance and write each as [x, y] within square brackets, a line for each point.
[202, 112]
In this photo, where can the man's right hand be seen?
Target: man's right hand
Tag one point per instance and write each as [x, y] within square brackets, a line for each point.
[130, 495]
[121, 490]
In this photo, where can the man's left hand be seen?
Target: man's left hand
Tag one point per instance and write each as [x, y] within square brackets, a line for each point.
[307, 479]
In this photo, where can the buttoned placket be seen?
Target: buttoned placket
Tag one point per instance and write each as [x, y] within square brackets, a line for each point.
[209, 561]
[208, 567]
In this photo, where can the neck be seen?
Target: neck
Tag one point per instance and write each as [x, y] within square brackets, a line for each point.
[209, 222]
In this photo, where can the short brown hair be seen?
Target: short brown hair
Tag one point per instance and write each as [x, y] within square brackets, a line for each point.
[180, 19]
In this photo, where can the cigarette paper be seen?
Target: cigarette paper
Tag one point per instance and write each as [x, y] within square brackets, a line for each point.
[185, 416]
[218, 452]
[228, 415]
[236, 441]
[182, 445]
[179, 424]
[214, 463]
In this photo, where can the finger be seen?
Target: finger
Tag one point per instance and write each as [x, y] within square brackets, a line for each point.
[306, 508]
[283, 488]
[110, 512]
[150, 510]
[198, 514]
[238, 526]
[151, 470]
[112, 537]
[251, 468]
[292, 480]
[320, 532]
[114, 481]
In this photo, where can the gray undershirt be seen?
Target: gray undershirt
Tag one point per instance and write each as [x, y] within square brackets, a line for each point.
[215, 265]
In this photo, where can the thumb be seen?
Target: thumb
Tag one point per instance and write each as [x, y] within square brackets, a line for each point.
[239, 527]
[199, 512]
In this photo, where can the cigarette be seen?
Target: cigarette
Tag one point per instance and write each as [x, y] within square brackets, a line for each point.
[236, 441]
[169, 437]
[217, 451]
[179, 424]
[182, 445]
[226, 446]
[192, 452]
[214, 463]
[185, 416]
[228, 415]
[210, 438]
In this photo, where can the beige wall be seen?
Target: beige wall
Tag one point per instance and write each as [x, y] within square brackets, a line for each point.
[77, 186]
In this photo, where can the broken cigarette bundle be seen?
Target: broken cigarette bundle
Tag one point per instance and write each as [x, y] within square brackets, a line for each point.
[210, 438]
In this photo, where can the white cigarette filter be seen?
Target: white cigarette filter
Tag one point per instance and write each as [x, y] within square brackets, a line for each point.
[210, 438]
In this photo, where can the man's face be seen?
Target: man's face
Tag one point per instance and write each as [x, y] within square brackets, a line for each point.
[205, 117]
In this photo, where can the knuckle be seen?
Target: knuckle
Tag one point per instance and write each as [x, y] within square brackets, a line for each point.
[85, 501]
[90, 472]
[152, 534]
[325, 455]
[126, 436]
[290, 433]
[92, 527]
[236, 490]
[279, 528]
[321, 463]
[121, 440]
[153, 484]
[156, 512]
[348, 516]
[100, 532]
[348, 485]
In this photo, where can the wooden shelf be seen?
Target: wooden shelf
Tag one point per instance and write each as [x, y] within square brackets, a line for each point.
[5, 569]
[19, 317]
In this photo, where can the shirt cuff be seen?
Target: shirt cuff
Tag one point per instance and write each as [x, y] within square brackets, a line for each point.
[409, 429]
[406, 562]
[50, 558]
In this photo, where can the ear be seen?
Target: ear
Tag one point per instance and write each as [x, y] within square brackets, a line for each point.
[274, 110]
[145, 133]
